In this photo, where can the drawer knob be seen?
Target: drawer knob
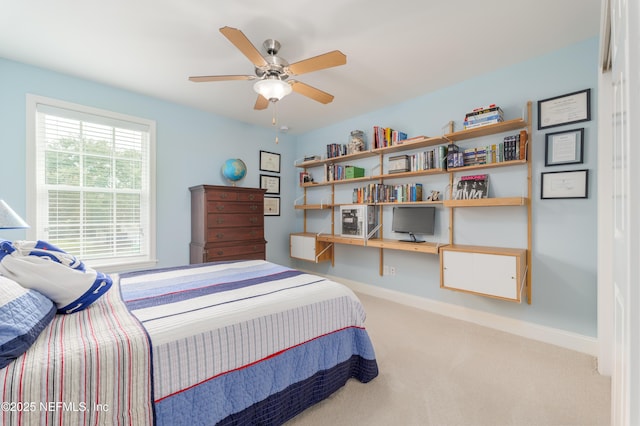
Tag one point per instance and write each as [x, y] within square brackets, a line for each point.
[253, 219]
[220, 207]
[220, 252]
[220, 220]
[254, 233]
[220, 235]
[224, 195]
[252, 196]
[253, 207]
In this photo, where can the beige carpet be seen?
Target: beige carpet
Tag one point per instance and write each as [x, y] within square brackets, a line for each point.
[440, 371]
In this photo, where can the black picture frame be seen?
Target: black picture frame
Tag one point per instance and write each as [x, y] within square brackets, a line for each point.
[564, 184]
[269, 161]
[272, 206]
[564, 109]
[270, 183]
[565, 147]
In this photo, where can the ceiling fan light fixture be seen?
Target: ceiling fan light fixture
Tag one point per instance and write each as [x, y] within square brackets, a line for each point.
[272, 88]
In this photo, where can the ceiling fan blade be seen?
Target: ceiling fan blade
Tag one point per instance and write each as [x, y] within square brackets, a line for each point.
[204, 78]
[327, 60]
[261, 103]
[243, 44]
[311, 92]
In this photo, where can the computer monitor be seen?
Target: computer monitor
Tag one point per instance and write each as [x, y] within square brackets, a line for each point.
[418, 220]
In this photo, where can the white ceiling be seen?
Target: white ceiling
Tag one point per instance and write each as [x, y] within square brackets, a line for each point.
[396, 50]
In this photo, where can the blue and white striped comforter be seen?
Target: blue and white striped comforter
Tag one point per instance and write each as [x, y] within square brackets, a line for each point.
[247, 342]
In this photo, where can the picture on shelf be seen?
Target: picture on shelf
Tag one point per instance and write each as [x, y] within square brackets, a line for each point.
[471, 187]
[305, 177]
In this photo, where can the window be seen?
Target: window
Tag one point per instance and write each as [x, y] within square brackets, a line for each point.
[90, 183]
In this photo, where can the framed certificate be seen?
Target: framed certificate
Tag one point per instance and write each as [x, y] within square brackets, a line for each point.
[566, 109]
[269, 162]
[270, 183]
[272, 206]
[564, 147]
[570, 184]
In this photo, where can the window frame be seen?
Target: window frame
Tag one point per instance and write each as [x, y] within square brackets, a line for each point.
[106, 265]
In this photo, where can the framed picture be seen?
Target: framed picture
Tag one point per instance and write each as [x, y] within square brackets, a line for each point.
[270, 183]
[269, 162]
[272, 206]
[564, 147]
[566, 109]
[569, 184]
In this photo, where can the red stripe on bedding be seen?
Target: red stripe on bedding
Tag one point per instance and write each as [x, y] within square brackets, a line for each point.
[100, 355]
[273, 355]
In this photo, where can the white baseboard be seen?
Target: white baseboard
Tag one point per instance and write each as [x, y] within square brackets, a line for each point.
[554, 336]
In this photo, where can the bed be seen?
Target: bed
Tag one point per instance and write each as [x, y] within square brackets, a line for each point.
[236, 343]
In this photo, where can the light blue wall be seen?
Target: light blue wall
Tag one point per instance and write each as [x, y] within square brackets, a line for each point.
[191, 146]
[564, 231]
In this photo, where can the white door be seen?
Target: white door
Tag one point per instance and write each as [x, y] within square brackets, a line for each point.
[626, 212]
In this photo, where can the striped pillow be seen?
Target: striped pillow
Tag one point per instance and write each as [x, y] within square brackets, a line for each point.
[23, 315]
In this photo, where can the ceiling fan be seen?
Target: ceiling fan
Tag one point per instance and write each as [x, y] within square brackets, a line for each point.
[272, 71]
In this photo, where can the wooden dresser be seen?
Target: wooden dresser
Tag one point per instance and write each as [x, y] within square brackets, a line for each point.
[227, 223]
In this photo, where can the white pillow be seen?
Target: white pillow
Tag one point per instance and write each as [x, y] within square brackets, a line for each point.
[58, 275]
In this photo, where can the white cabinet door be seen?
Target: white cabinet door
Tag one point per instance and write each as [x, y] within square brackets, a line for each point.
[481, 273]
[303, 247]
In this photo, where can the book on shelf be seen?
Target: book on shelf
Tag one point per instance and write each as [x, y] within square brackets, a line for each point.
[511, 147]
[482, 113]
[484, 122]
[384, 193]
[333, 172]
[471, 187]
[523, 144]
[483, 116]
[484, 109]
[336, 150]
[474, 156]
[386, 136]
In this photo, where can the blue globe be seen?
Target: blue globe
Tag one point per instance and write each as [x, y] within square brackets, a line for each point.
[234, 169]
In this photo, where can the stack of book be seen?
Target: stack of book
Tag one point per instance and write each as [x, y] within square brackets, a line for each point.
[474, 156]
[483, 116]
[386, 136]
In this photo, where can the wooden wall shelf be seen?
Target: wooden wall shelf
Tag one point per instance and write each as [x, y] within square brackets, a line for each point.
[487, 202]
[387, 243]
[521, 257]
[491, 129]
[313, 206]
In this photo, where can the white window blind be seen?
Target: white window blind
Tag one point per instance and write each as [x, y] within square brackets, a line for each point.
[93, 183]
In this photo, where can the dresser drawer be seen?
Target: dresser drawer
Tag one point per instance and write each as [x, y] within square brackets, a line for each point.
[234, 234]
[222, 196]
[251, 196]
[232, 195]
[234, 207]
[243, 251]
[217, 220]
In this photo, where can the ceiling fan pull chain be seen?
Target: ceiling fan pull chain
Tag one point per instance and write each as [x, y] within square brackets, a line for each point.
[274, 120]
